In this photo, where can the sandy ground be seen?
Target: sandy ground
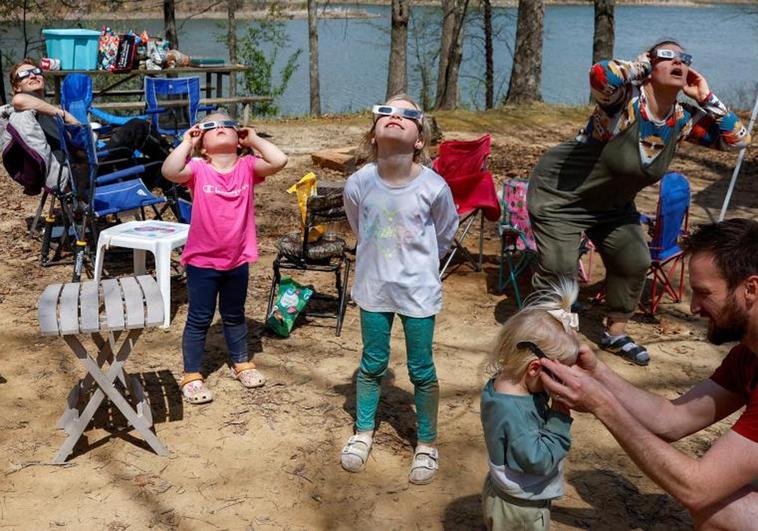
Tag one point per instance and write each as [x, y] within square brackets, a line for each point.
[269, 458]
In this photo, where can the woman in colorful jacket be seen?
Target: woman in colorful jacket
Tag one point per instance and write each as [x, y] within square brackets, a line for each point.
[589, 184]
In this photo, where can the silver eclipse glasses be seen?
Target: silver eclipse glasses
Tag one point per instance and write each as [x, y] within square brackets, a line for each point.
[388, 110]
[216, 124]
[672, 54]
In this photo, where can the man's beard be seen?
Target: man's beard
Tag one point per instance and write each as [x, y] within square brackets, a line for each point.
[732, 326]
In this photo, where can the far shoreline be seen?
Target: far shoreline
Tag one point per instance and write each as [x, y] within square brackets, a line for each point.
[335, 10]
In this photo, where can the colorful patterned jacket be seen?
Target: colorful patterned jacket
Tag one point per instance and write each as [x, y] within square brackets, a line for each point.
[615, 88]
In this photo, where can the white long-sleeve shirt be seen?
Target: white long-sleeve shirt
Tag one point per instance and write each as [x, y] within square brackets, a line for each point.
[403, 232]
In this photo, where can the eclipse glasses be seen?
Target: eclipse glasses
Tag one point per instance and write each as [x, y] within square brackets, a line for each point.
[23, 74]
[218, 124]
[388, 110]
[537, 351]
[663, 53]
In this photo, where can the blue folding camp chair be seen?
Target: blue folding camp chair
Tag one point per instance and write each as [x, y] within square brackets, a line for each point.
[96, 195]
[670, 222]
[76, 98]
[173, 120]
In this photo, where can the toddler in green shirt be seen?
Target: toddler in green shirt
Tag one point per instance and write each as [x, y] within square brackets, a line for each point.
[527, 435]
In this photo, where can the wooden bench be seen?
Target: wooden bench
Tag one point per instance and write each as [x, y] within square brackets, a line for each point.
[140, 105]
[106, 311]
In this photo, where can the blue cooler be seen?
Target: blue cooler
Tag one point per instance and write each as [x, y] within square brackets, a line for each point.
[76, 48]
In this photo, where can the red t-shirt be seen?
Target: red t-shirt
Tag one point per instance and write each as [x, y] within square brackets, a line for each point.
[738, 373]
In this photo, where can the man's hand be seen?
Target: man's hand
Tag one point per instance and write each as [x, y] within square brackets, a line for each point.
[697, 87]
[578, 389]
[586, 359]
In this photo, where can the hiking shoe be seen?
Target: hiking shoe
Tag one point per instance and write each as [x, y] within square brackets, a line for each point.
[625, 347]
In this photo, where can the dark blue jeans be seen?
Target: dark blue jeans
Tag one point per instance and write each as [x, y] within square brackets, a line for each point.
[204, 286]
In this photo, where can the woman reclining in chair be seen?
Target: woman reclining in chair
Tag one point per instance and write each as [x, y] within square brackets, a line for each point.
[28, 85]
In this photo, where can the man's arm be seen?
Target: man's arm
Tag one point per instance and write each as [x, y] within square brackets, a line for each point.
[706, 403]
[728, 466]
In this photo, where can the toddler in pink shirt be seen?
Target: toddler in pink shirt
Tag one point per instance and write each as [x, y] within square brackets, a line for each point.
[221, 241]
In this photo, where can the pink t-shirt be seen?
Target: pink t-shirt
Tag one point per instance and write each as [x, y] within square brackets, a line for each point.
[222, 231]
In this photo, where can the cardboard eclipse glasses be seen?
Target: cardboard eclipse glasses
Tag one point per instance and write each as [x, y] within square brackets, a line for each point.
[218, 124]
[671, 54]
[388, 110]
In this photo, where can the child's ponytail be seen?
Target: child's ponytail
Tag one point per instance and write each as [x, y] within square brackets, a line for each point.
[547, 321]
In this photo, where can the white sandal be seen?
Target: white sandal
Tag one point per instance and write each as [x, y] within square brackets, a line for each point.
[425, 465]
[355, 453]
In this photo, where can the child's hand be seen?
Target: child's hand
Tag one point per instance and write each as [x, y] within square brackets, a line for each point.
[192, 135]
[247, 136]
[560, 407]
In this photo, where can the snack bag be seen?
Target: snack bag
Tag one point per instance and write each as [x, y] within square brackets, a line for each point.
[290, 301]
[305, 188]
[107, 49]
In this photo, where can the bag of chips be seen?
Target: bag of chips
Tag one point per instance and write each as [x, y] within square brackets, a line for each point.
[290, 301]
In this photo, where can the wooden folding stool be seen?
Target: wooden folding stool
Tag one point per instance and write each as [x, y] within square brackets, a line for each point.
[130, 304]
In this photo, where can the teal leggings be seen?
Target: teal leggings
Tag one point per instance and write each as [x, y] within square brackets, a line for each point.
[419, 332]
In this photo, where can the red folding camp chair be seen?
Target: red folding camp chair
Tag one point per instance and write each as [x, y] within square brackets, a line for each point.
[463, 164]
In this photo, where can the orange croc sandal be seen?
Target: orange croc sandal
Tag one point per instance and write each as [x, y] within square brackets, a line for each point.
[248, 375]
[194, 389]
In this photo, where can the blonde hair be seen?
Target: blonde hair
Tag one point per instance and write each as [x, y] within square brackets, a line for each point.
[369, 151]
[533, 323]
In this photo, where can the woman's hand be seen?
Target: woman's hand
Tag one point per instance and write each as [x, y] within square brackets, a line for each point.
[69, 118]
[697, 87]
[644, 57]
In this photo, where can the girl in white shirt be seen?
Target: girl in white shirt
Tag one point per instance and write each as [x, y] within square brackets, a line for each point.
[404, 219]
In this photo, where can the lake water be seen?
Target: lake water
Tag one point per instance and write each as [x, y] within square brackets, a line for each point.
[353, 52]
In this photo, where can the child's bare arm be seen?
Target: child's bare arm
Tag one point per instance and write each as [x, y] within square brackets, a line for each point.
[272, 158]
[175, 167]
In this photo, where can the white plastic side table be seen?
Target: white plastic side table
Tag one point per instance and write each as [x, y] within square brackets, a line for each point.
[158, 237]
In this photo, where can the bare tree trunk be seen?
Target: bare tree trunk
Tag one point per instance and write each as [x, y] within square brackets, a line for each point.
[451, 53]
[397, 77]
[169, 24]
[315, 88]
[603, 39]
[231, 42]
[3, 98]
[526, 74]
[23, 28]
[489, 74]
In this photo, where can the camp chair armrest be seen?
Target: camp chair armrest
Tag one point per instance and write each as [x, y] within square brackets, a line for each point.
[157, 110]
[114, 119]
[121, 152]
[207, 107]
[128, 172]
